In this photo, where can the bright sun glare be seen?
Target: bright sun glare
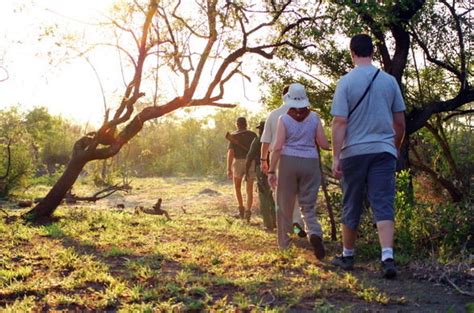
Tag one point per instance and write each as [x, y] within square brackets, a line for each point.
[70, 89]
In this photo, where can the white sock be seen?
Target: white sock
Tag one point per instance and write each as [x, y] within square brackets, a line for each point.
[387, 253]
[347, 252]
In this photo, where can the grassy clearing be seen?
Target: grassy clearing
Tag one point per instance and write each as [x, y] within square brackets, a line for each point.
[97, 257]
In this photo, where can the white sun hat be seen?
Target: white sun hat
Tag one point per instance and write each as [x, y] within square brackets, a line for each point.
[296, 96]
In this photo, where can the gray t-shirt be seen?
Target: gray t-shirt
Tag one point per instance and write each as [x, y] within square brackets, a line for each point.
[370, 126]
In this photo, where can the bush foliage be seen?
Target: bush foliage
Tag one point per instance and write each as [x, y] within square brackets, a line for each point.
[195, 146]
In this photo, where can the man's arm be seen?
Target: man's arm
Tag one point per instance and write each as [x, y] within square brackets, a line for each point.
[399, 127]
[264, 157]
[321, 139]
[276, 153]
[265, 139]
[339, 126]
[230, 159]
[252, 155]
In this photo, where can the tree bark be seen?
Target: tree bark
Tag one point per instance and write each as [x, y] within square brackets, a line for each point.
[454, 193]
[324, 186]
[46, 207]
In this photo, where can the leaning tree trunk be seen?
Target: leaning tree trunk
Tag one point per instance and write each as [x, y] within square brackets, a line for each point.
[403, 161]
[45, 208]
[99, 145]
[106, 143]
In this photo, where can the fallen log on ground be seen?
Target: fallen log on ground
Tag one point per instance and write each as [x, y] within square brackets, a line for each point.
[155, 210]
[71, 198]
[25, 203]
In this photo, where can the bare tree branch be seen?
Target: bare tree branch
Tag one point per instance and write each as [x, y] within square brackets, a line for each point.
[441, 139]
[331, 89]
[462, 52]
[128, 30]
[120, 60]
[177, 54]
[457, 113]
[211, 16]
[417, 117]
[224, 81]
[104, 101]
[118, 47]
[104, 193]
[433, 60]
[4, 70]
[274, 19]
[452, 190]
[214, 104]
[188, 27]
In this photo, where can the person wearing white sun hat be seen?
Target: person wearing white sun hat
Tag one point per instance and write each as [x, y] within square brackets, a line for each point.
[299, 176]
[268, 140]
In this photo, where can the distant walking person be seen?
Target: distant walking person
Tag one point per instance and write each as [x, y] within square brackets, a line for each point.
[268, 140]
[238, 148]
[299, 176]
[267, 204]
[367, 131]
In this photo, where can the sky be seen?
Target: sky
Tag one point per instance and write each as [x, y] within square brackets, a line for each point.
[70, 89]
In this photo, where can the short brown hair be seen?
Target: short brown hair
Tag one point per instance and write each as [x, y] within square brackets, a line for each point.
[241, 122]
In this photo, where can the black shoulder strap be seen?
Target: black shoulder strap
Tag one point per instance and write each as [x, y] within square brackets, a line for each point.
[365, 93]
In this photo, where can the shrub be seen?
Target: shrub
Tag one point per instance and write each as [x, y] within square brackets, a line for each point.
[441, 230]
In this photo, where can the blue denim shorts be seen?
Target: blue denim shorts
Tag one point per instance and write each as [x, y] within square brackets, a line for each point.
[371, 174]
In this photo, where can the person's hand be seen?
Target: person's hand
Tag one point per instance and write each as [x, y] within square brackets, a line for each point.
[230, 175]
[336, 168]
[272, 180]
[264, 167]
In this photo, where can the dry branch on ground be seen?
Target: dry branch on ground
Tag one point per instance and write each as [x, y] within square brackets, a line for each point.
[155, 210]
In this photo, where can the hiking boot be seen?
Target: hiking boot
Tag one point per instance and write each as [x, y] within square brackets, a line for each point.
[241, 212]
[297, 229]
[344, 262]
[389, 270]
[247, 215]
[318, 246]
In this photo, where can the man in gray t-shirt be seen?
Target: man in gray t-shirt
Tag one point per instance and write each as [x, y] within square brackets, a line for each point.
[367, 131]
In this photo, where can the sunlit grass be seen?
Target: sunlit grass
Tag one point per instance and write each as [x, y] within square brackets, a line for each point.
[24, 304]
[96, 257]
[7, 277]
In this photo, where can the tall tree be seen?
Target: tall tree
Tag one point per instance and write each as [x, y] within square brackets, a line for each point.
[410, 36]
[205, 38]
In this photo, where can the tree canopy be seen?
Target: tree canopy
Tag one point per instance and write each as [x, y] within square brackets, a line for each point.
[423, 44]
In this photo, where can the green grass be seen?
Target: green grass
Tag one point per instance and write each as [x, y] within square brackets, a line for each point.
[470, 307]
[54, 231]
[96, 257]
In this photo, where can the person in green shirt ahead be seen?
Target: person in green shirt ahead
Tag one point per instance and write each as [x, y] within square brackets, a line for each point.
[267, 204]
[238, 148]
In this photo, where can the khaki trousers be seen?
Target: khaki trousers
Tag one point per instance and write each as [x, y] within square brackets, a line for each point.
[298, 179]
